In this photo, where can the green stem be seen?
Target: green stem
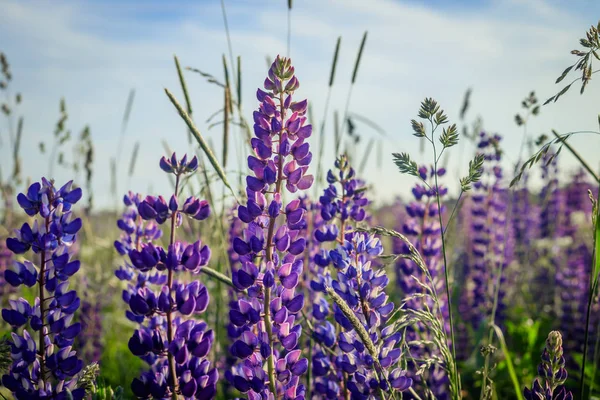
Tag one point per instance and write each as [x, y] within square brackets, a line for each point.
[42, 344]
[592, 287]
[509, 364]
[583, 163]
[456, 384]
[170, 333]
[209, 154]
[219, 276]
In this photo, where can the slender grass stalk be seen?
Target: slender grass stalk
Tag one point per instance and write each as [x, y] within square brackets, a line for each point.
[188, 103]
[336, 132]
[596, 358]
[289, 32]
[583, 163]
[366, 155]
[16, 148]
[125, 122]
[426, 316]
[325, 112]
[509, 364]
[133, 160]
[113, 178]
[446, 274]
[228, 35]
[592, 288]
[354, 74]
[211, 157]
[170, 333]
[227, 106]
[360, 330]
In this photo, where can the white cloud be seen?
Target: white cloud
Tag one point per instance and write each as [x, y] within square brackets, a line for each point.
[92, 54]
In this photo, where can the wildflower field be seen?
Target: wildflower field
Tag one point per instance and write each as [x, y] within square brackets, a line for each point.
[280, 276]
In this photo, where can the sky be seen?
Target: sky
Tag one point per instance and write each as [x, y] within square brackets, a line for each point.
[94, 53]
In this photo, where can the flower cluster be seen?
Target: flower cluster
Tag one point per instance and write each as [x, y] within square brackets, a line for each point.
[90, 339]
[270, 245]
[45, 367]
[552, 373]
[169, 337]
[136, 232]
[490, 246]
[341, 206]
[573, 271]
[549, 229]
[422, 227]
[5, 262]
[369, 365]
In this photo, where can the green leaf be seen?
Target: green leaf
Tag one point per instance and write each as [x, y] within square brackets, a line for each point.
[207, 150]
[564, 74]
[563, 91]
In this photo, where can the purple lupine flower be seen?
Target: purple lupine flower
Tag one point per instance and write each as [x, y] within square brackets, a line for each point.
[169, 338]
[491, 245]
[90, 338]
[135, 233]
[347, 202]
[269, 252]
[340, 208]
[421, 225]
[6, 260]
[550, 229]
[228, 361]
[45, 367]
[362, 288]
[574, 270]
[552, 373]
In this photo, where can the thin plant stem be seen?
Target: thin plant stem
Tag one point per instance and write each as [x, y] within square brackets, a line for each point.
[509, 363]
[229, 47]
[583, 163]
[41, 281]
[289, 32]
[446, 274]
[592, 287]
[596, 358]
[170, 333]
[454, 209]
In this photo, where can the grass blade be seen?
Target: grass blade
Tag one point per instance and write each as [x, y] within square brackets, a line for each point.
[365, 158]
[188, 103]
[354, 74]
[509, 363]
[133, 160]
[325, 112]
[359, 56]
[207, 151]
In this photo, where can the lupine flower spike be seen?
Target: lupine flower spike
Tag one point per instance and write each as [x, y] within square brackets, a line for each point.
[172, 340]
[44, 362]
[270, 266]
[552, 373]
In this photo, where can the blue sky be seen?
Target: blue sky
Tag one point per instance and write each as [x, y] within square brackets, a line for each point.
[93, 53]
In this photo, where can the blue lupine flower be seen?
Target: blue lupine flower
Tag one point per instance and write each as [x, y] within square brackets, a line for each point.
[47, 367]
[173, 342]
